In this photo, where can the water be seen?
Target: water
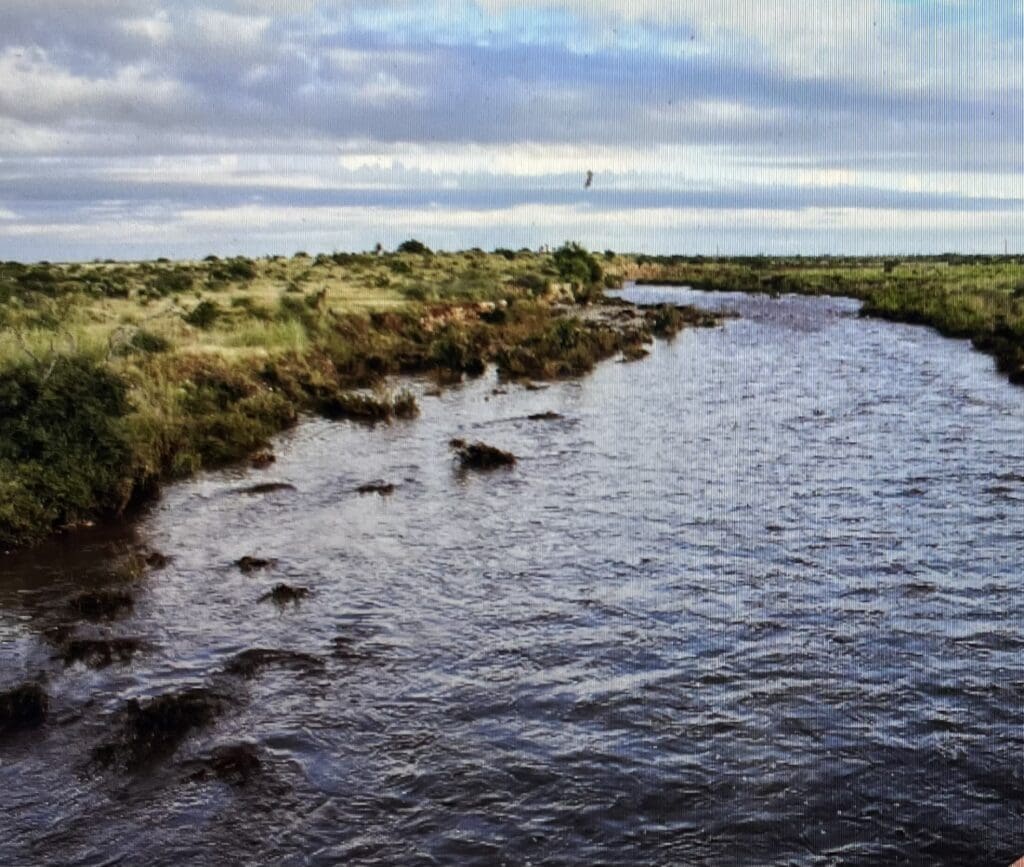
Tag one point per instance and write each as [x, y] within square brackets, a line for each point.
[753, 600]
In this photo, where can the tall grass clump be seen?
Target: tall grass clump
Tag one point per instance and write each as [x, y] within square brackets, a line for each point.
[63, 449]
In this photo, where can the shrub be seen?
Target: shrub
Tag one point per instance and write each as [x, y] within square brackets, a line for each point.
[171, 282]
[147, 341]
[62, 448]
[577, 265]
[238, 269]
[532, 282]
[204, 314]
[414, 246]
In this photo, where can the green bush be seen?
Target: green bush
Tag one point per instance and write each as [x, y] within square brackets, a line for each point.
[147, 341]
[63, 454]
[239, 269]
[171, 282]
[204, 314]
[532, 282]
[577, 265]
[414, 246]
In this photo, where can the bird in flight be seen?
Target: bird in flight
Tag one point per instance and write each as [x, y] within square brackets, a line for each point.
[590, 180]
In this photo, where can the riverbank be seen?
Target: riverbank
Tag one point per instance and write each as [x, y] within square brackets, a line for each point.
[975, 298]
[802, 492]
[117, 377]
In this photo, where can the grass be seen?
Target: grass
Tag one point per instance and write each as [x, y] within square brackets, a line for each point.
[976, 298]
[117, 376]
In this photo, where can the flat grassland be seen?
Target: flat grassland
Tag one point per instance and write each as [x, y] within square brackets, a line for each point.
[118, 376]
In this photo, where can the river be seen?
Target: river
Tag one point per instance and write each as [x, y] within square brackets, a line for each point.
[755, 599]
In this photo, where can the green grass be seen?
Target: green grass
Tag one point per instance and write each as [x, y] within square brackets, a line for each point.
[116, 376]
[981, 299]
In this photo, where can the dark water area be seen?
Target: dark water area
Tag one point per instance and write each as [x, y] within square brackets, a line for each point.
[753, 600]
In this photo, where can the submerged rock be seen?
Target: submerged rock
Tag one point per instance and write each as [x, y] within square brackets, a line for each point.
[262, 459]
[480, 456]
[249, 663]
[266, 488]
[634, 352]
[377, 487]
[23, 707]
[234, 764]
[251, 564]
[344, 647]
[283, 594]
[101, 604]
[100, 652]
[153, 729]
[156, 560]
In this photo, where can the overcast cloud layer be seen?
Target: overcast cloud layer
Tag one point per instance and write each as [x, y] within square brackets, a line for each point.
[137, 129]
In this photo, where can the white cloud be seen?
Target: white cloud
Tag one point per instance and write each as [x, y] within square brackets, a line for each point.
[33, 87]
[155, 28]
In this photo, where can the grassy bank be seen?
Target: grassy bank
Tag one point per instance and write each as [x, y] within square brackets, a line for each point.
[115, 377]
[977, 298]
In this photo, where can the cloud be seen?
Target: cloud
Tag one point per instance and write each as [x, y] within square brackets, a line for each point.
[867, 104]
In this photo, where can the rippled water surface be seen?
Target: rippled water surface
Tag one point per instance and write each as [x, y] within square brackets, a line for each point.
[753, 600]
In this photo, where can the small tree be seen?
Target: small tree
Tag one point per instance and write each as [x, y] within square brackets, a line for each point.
[576, 264]
[415, 247]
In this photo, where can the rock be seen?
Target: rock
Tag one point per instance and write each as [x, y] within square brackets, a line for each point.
[249, 663]
[262, 459]
[23, 707]
[156, 560]
[266, 488]
[101, 604]
[283, 594]
[234, 764]
[344, 647]
[634, 352]
[152, 729]
[383, 488]
[251, 564]
[480, 456]
[100, 652]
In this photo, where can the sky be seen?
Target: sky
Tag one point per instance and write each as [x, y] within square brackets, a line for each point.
[136, 129]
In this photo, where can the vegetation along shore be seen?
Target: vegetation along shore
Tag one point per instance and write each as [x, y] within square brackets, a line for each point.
[116, 376]
[979, 298]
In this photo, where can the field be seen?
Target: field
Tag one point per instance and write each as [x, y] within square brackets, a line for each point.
[115, 377]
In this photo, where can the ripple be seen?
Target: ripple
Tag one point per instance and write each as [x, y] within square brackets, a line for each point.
[753, 600]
